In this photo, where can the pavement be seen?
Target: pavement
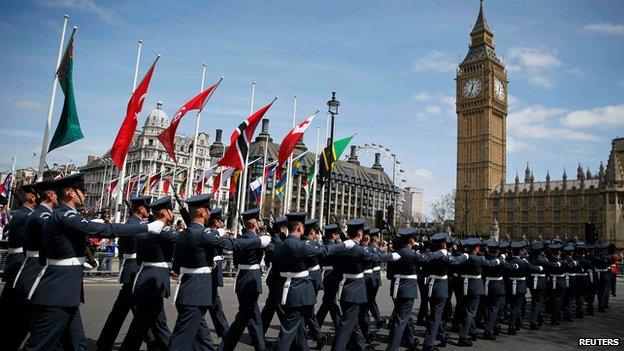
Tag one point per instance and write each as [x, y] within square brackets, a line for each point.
[101, 292]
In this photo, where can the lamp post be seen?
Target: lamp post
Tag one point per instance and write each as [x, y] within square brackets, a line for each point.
[465, 209]
[332, 105]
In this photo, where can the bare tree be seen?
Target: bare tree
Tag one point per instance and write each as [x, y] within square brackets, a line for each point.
[444, 208]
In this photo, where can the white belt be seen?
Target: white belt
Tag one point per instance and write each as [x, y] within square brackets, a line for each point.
[244, 267]
[432, 278]
[591, 276]
[597, 269]
[466, 280]
[397, 282]
[554, 279]
[488, 280]
[33, 253]
[73, 261]
[368, 271]
[376, 269]
[536, 278]
[15, 250]
[123, 262]
[514, 283]
[315, 268]
[183, 271]
[217, 258]
[346, 276]
[129, 256]
[289, 276]
[149, 264]
[29, 254]
[325, 269]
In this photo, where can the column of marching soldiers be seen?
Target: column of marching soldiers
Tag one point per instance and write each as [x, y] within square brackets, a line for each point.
[48, 239]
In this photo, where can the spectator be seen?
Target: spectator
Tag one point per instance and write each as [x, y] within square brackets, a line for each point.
[180, 225]
[108, 247]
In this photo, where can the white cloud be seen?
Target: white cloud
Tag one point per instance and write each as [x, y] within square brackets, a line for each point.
[423, 95]
[534, 63]
[435, 61]
[513, 102]
[433, 109]
[536, 122]
[532, 115]
[515, 145]
[621, 83]
[605, 28]
[106, 14]
[27, 105]
[419, 175]
[20, 133]
[604, 116]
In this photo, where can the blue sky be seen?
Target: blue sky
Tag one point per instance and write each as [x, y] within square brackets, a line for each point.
[392, 64]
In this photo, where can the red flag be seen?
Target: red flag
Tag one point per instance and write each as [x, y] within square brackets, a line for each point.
[236, 154]
[290, 141]
[167, 136]
[220, 178]
[112, 185]
[233, 182]
[128, 127]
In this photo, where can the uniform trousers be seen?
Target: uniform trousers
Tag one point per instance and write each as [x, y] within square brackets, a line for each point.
[348, 331]
[328, 305]
[537, 298]
[271, 307]
[292, 334]
[557, 300]
[399, 321]
[515, 302]
[14, 334]
[494, 304]
[434, 325]
[216, 312]
[248, 316]
[58, 326]
[470, 305]
[191, 330]
[149, 313]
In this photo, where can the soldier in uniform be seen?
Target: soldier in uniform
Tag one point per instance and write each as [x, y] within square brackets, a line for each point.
[296, 286]
[17, 330]
[15, 257]
[272, 304]
[516, 286]
[331, 279]
[152, 282]
[494, 287]
[215, 309]
[248, 288]
[582, 278]
[373, 308]
[556, 282]
[194, 252]
[352, 288]
[57, 291]
[423, 308]
[537, 284]
[129, 267]
[603, 262]
[593, 279]
[404, 287]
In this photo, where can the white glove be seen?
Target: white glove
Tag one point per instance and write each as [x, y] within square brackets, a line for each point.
[541, 268]
[265, 240]
[221, 232]
[87, 266]
[503, 256]
[395, 256]
[465, 254]
[349, 243]
[155, 227]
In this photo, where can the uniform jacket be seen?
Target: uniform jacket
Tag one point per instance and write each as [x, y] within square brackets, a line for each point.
[438, 265]
[542, 261]
[154, 281]
[524, 268]
[408, 264]
[315, 275]
[558, 267]
[269, 251]
[32, 242]
[128, 245]
[248, 281]
[331, 278]
[217, 271]
[17, 234]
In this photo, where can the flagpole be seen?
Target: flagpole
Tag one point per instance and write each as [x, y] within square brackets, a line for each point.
[103, 182]
[316, 157]
[122, 175]
[321, 219]
[240, 205]
[289, 168]
[46, 130]
[264, 164]
[9, 197]
[194, 153]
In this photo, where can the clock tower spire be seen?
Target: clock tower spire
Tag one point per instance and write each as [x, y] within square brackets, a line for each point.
[481, 102]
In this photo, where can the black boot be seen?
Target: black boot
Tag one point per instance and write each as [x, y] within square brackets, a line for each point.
[488, 336]
[533, 326]
[464, 342]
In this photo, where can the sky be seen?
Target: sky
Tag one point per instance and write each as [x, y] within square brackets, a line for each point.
[391, 63]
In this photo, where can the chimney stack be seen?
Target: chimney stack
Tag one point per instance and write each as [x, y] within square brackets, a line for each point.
[377, 164]
[353, 156]
[264, 132]
[217, 149]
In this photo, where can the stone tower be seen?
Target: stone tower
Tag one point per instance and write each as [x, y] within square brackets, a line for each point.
[481, 101]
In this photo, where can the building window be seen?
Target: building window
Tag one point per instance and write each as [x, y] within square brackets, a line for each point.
[150, 142]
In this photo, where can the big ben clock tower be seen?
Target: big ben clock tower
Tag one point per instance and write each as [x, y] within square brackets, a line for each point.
[481, 100]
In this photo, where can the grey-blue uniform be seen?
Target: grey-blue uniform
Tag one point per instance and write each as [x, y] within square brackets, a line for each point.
[248, 288]
[537, 283]
[129, 267]
[373, 308]
[556, 282]
[403, 275]
[584, 270]
[217, 315]
[295, 284]
[272, 304]
[516, 285]
[194, 262]
[437, 289]
[57, 291]
[17, 330]
[369, 282]
[316, 275]
[151, 284]
[352, 290]
[494, 286]
[572, 268]
[14, 258]
[602, 263]
[331, 279]
[592, 286]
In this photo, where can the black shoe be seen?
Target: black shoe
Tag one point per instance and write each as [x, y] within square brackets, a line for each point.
[590, 313]
[488, 336]
[473, 337]
[321, 341]
[533, 326]
[578, 316]
[511, 331]
[464, 342]
[430, 348]
[497, 330]
[370, 337]
[568, 319]
[555, 323]
[444, 341]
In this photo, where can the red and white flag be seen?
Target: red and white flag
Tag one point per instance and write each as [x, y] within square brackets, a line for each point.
[290, 141]
[206, 175]
[128, 127]
[167, 136]
[236, 154]
[221, 178]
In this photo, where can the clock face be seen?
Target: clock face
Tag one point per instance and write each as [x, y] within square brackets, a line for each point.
[472, 88]
[499, 90]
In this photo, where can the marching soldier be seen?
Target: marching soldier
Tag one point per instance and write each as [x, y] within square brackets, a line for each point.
[602, 262]
[216, 307]
[494, 289]
[404, 287]
[310, 237]
[369, 281]
[556, 282]
[272, 304]
[352, 289]
[129, 267]
[423, 308]
[57, 291]
[593, 279]
[582, 278]
[516, 285]
[30, 268]
[194, 253]
[296, 287]
[152, 282]
[248, 288]
[331, 279]
[372, 298]
[537, 284]
[572, 267]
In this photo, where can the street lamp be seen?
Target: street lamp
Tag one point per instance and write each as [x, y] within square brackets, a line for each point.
[332, 105]
[465, 209]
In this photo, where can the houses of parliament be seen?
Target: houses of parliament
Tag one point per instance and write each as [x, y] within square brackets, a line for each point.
[591, 202]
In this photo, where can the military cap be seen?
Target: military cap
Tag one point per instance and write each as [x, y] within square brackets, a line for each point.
[503, 244]
[424, 239]
[470, 242]
[602, 246]
[568, 248]
[366, 229]
[28, 188]
[555, 246]
[311, 224]
[492, 244]
[330, 228]
[537, 246]
[296, 217]
[354, 225]
[161, 204]
[75, 180]
[590, 246]
[279, 222]
[202, 200]
[216, 213]
[374, 232]
[518, 244]
[406, 232]
[253, 213]
[440, 236]
[580, 245]
[141, 200]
